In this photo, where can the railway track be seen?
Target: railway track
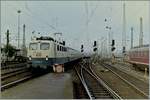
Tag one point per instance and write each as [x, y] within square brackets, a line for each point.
[12, 70]
[118, 83]
[16, 65]
[15, 82]
[138, 85]
[140, 75]
[14, 75]
[94, 86]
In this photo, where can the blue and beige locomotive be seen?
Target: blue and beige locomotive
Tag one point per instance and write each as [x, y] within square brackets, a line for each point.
[44, 52]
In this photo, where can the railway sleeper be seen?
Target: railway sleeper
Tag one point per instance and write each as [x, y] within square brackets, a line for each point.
[100, 93]
[103, 97]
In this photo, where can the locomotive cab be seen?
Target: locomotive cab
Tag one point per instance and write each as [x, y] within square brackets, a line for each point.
[39, 54]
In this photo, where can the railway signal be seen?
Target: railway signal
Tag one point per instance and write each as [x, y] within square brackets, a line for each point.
[112, 45]
[124, 50]
[94, 43]
[82, 48]
[95, 46]
[95, 49]
[112, 49]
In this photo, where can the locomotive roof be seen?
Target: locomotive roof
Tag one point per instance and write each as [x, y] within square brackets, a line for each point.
[45, 38]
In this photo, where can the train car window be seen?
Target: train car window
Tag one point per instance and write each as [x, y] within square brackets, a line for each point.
[33, 46]
[130, 54]
[44, 46]
[133, 54]
[57, 47]
[64, 49]
[147, 53]
[136, 53]
[139, 53]
[60, 48]
[143, 53]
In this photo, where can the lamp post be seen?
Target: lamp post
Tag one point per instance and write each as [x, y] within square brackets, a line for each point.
[109, 39]
[19, 11]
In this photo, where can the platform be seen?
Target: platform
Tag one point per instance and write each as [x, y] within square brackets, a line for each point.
[49, 86]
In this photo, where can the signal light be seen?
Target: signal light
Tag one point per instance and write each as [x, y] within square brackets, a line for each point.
[113, 43]
[95, 46]
[113, 48]
[82, 48]
[95, 49]
[95, 43]
[124, 49]
[63, 42]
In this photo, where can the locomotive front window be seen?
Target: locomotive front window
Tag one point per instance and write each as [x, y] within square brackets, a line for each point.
[44, 46]
[33, 46]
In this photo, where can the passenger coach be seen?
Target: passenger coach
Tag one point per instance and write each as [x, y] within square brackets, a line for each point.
[139, 56]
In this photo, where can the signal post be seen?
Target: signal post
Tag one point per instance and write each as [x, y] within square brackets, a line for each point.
[112, 50]
[95, 50]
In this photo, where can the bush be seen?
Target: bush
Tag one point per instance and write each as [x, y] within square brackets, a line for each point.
[9, 50]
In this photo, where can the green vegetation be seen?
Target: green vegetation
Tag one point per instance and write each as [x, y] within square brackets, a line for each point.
[9, 50]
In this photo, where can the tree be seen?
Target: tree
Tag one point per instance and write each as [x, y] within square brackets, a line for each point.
[9, 50]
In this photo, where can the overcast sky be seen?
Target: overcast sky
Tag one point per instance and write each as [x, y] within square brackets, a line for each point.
[70, 18]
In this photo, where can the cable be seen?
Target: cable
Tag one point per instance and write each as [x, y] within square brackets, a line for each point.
[92, 13]
[31, 12]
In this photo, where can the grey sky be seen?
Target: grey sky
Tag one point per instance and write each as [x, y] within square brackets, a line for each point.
[70, 19]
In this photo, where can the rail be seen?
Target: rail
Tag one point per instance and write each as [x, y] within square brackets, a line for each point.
[10, 84]
[13, 66]
[132, 85]
[84, 84]
[92, 73]
[97, 81]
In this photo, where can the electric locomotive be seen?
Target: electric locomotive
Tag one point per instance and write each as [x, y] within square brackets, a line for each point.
[44, 52]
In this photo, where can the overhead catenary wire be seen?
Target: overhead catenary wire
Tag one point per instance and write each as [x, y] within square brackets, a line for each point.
[38, 18]
[31, 14]
[89, 14]
[92, 13]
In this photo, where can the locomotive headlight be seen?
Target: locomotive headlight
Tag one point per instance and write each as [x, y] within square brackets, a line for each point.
[30, 58]
[46, 57]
